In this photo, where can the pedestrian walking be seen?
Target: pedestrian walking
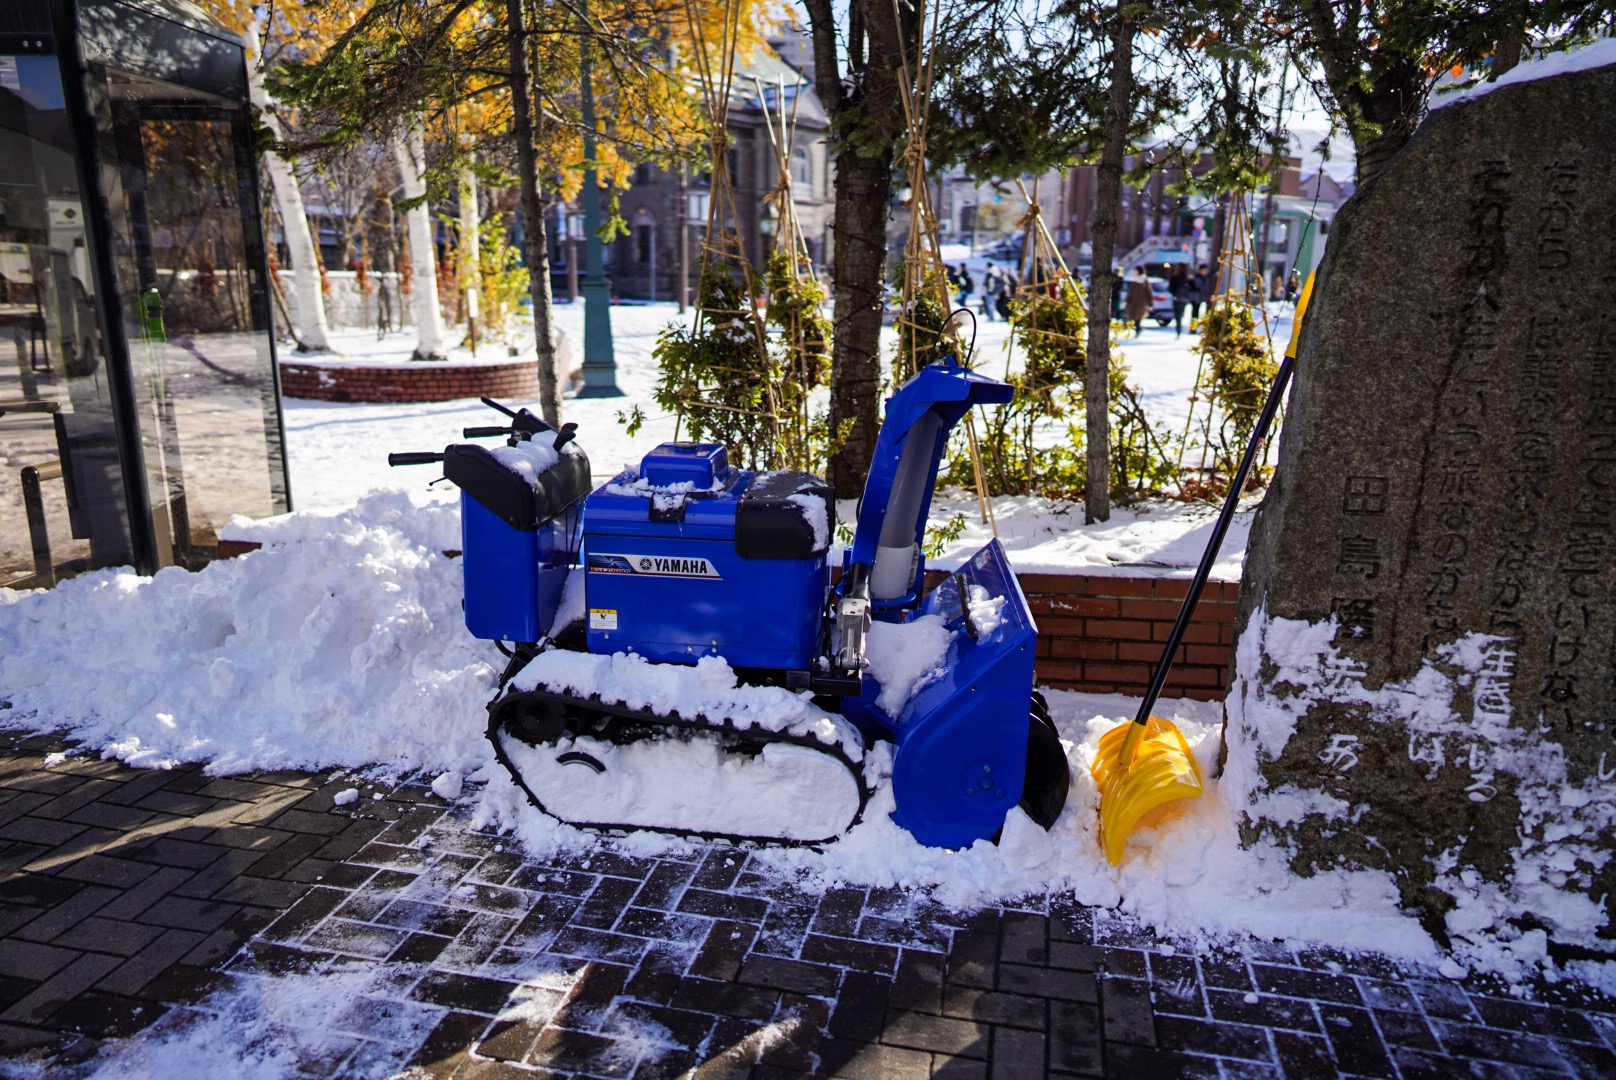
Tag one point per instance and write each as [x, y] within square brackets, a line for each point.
[1182, 288]
[1007, 292]
[991, 284]
[1293, 285]
[1138, 302]
[1119, 288]
[1203, 290]
[965, 284]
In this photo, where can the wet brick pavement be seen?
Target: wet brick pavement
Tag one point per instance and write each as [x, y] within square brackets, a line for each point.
[147, 901]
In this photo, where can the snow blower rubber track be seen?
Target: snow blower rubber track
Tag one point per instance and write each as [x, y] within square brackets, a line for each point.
[541, 719]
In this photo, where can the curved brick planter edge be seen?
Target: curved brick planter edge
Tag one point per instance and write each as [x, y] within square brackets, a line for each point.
[414, 382]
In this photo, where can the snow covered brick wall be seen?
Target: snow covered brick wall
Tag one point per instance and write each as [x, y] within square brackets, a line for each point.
[1427, 634]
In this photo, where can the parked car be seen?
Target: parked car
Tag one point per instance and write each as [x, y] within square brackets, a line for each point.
[1161, 302]
[1006, 250]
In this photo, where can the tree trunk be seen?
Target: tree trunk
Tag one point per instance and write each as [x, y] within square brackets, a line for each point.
[470, 276]
[1381, 117]
[311, 332]
[863, 191]
[384, 233]
[535, 238]
[430, 339]
[871, 112]
[1103, 236]
[1507, 54]
[1375, 151]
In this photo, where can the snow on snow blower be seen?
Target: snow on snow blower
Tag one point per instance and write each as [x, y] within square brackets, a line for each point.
[681, 662]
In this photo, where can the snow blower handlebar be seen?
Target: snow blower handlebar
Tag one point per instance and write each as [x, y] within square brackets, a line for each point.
[524, 425]
[414, 457]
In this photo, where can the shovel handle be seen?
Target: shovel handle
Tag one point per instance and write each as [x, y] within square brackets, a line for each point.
[1276, 394]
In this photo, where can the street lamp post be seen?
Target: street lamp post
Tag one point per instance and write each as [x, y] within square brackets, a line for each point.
[600, 363]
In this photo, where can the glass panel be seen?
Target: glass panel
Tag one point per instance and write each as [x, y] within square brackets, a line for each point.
[178, 177]
[61, 485]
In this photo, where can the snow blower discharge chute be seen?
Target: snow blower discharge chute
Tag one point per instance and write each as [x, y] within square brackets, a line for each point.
[609, 602]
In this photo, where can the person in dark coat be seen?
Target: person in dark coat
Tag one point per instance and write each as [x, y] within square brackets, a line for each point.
[1119, 289]
[1182, 286]
[1137, 305]
[1203, 290]
[965, 284]
[991, 284]
[1006, 294]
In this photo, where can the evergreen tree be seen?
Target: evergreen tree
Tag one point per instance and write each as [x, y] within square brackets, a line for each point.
[1084, 82]
[1374, 63]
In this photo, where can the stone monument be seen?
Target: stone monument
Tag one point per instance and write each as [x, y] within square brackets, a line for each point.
[1426, 659]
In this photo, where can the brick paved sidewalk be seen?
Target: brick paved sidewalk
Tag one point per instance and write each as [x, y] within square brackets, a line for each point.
[171, 903]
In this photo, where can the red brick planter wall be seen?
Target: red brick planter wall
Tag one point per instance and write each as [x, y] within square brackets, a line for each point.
[1105, 634]
[423, 381]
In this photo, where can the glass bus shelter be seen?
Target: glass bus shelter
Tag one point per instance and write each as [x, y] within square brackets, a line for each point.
[139, 400]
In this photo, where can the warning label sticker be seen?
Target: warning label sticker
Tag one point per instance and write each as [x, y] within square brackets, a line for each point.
[602, 618]
[652, 565]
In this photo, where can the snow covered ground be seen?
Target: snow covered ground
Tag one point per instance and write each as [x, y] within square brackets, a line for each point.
[341, 643]
[338, 452]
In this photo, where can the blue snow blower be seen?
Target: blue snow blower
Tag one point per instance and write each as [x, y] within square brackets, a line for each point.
[687, 557]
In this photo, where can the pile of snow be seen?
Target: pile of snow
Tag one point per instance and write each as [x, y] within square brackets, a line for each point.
[904, 657]
[1159, 538]
[986, 612]
[341, 642]
[693, 784]
[1188, 876]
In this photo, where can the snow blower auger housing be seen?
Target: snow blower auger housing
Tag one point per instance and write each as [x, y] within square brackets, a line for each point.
[699, 674]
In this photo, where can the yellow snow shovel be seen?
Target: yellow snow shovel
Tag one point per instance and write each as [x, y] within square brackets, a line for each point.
[1146, 764]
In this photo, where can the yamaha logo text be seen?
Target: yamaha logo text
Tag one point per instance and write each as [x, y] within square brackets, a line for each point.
[654, 565]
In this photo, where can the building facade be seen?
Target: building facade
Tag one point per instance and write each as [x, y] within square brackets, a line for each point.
[666, 210]
[1155, 227]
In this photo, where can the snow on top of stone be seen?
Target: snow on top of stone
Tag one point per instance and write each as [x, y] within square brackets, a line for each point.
[1601, 53]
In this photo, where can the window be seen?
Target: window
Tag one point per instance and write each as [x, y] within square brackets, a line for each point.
[802, 170]
[184, 383]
